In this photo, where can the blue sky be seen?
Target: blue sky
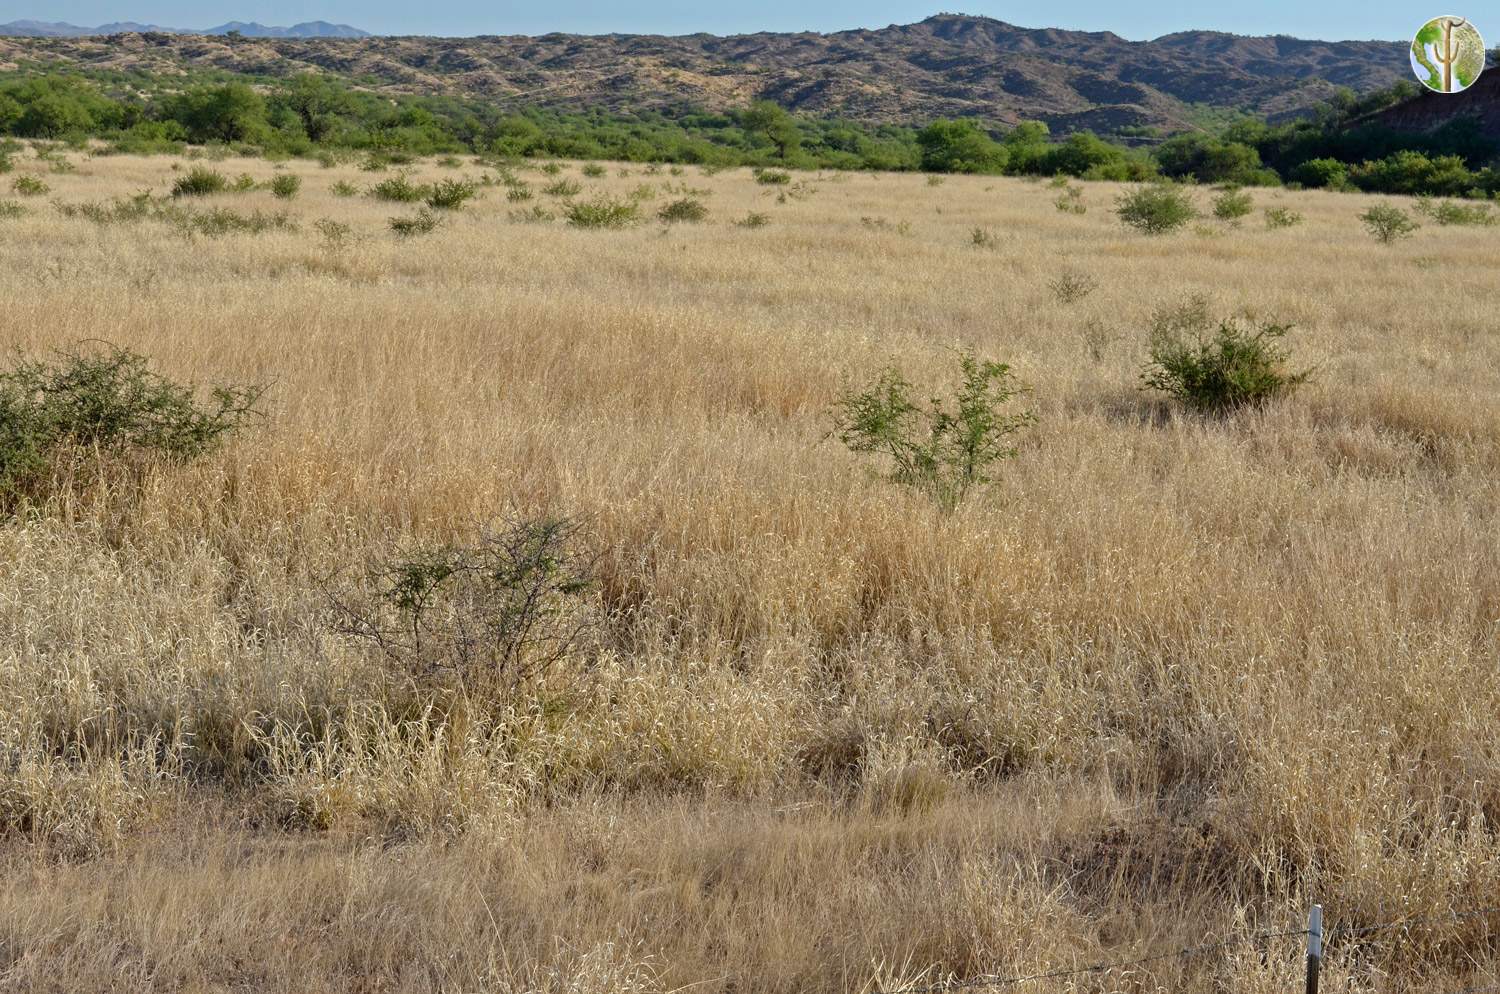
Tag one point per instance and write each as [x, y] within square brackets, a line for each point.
[1137, 19]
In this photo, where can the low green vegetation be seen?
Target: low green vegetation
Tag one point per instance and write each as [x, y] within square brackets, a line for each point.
[1216, 367]
[943, 447]
[602, 212]
[1388, 224]
[200, 181]
[1156, 208]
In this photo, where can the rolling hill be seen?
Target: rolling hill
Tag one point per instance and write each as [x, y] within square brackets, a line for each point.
[946, 65]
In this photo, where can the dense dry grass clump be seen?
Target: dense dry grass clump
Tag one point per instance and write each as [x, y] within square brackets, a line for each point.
[1167, 676]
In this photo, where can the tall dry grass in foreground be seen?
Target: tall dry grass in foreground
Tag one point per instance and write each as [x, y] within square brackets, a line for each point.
[1168, 677]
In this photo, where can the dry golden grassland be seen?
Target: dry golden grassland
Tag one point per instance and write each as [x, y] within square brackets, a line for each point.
[1170, 678]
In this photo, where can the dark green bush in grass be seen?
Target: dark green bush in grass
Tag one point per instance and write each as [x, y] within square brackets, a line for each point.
[398, 189]
[943, 447]
[109, 403]
[200, 182]
[285, 186]
[686, 209]
[1156, 209]
[603, 212]
[1216, 370]
[450, 194]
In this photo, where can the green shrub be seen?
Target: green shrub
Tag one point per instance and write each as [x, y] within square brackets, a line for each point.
[336, 234]
[1071, 201]
[223, 221]
[1156, 209]
[29, 186]
[343, 188]
[200, 182]
[1231, 205]
[285, 186]
[450, 194]
[10, 210]
[1217, 369]
[1387, 223]
[551, 168]
[398, 189]
[1071, 286]
[1282, 217]
[488, 615]
[518, 194]
[536, 214]
[1450, 212]
[754, 220]
[109, 403]
[686, 209]
[602, 212]
[423, 222]
[945, 447]
[593, 170]
[243, 183]
[563, 188]
[772, 177]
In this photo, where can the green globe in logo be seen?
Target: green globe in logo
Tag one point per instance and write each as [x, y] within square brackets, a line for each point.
[1447, 54]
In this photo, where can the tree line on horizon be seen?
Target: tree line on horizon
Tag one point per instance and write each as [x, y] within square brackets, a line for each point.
[311, 115]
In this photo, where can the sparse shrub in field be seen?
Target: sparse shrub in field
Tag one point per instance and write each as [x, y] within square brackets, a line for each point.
[1217, 369]
[652, 169]
[676, 170]
[6, 165]
[1156, 209]
[1387, 223]
[551, 168]
[1096, 339]
[450, 194]
[223, 221]
[1071, 286]
[881, 224]
[945, 447]
[643, 193]
[754, 220]
[563, 188]
[326, 159]
[1058, 182]
[935, 180]
[108, 403]
[772, 177]
[449, 162]
[1449, 212]
[1071, 202]
[199, 182]
[983, 238]
[485, 616]
[1282, 217]
[243, 183]
[518, 194]
[1231, 205]
[336, 234]
[602, 212]
[536, 214]
[398, 189]
[343, 188]
[10, 210]
[285, 186]
[593, 170]
[687, 209]
[29, 186]
[423, 222]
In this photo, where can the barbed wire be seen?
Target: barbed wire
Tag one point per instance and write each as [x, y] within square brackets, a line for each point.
[1337, 933]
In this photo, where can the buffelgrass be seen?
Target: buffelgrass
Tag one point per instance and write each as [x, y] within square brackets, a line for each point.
[772, 177]
[602, 212]
[103, 404]
[593, 170]
[423, 222]
[285, 186]
[518, 194]
[243, 183]
[1217, 367]
[1156, 209]
[1071, 201]
[10, 210]
[343, 188]
[336, 234]
[881, 224]
[983, 238]
[753, 220]
[563, 188]
[535, 214]
[943, 447]
[1282, 217]
[687, 209]
[1388, 224]
[29, 186]
[200, 181]
[223, 221]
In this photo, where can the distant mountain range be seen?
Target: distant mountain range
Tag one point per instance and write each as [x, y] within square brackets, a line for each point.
[948, 65]
[308, 29]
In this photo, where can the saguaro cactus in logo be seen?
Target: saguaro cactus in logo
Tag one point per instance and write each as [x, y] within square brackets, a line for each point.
[1447, 54]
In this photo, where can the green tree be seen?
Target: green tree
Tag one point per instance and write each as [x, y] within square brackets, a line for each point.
[771, 122]
[960, 147]
[229, 113]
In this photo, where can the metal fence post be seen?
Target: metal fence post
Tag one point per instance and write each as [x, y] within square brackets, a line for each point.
[1314, 946]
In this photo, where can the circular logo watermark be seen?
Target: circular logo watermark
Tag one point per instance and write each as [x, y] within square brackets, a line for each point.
[1447, 54]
